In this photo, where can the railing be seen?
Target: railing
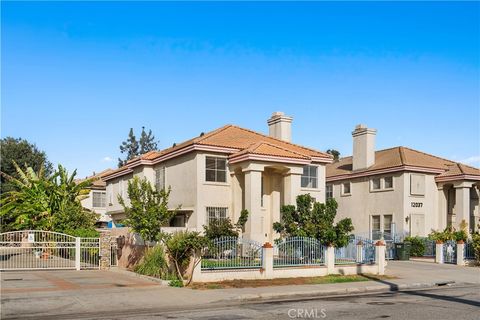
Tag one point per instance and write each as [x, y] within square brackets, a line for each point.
[298, 251]
[113, 255]
[232, 253]
[89, 253]
[347, 254]
[450, 251]
[469, 252]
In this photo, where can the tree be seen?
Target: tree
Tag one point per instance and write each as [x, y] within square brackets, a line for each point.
[133, 147]
[147, 141]
[334, 153]
[46, 203]
[148, 210]
[220, 228]
[24, 153]
[314, 220]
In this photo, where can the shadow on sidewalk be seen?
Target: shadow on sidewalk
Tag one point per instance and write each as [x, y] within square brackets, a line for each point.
[394, 287]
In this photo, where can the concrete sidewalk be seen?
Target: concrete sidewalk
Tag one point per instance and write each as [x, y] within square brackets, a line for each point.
[139, 296]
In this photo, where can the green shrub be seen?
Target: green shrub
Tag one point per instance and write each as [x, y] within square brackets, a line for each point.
[176, 283]
[417, 248]
[154, 263]
[476, 246]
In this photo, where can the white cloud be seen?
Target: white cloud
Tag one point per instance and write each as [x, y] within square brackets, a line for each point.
[471, 160]
[107, 159]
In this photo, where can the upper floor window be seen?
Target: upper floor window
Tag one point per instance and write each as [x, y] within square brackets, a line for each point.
[216, 213]
[99, 199]
[346, 188]
[376, 232]
[160, 178]
[388, 182]
[216, 169]
[376, 184]
[309, 177]
[329, 191]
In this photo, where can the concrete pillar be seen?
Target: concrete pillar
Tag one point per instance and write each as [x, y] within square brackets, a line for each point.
[292, 185]
[442, 208]
[330, 259]
[460, 253]
[439, 252]
[267, 260]
[254, 229]
[380, 257]
[359, 258]
[462, 204]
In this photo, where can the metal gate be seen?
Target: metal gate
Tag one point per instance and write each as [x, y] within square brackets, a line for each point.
[39, 250]
[450, 252]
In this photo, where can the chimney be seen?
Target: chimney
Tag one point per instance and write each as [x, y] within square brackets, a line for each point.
[363, 147]
[280, 126]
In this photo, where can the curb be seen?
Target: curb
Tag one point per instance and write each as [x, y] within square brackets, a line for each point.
[341, 292]
[163, 283]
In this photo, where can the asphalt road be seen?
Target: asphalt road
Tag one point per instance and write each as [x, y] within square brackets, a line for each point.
[440, 303]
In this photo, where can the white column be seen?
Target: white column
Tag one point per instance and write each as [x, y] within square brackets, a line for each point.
[380, 257]
[267, 263]
[77, 253]
[330, 259]
[439, 252]
[442, 208]
[359, 252]
[462, 204]
[460, 253]
[254, 229]
[292, 185]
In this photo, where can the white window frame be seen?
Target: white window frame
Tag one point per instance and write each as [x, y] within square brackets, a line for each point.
[312, 177]
[372, 184]
[329, 190]
[219, 213]
[372, 226]
[385, 184]
[160, 178]
[216, 169]
[103, 199]
[382, 184]
[349, 193]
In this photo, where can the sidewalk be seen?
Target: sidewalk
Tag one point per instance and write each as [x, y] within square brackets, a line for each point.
[137, 299]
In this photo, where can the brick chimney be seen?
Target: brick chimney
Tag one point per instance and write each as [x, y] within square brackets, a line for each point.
[363, 147]
[280, 126]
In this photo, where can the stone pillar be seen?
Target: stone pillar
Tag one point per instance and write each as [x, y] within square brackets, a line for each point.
[267, 260]
[439, 252]
[380, 257]
[460, 253]
[292, 185]
[254, 229]
[462, 204]
[105, 247]
[330, 259]
[359, 258]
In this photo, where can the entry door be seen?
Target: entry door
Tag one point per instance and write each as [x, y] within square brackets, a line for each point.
[417, 225]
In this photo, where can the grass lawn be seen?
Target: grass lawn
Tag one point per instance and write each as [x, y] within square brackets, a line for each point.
[284, 281]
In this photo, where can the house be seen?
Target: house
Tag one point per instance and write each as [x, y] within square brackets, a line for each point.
[97, 198]
[218, 174]
[401, 190]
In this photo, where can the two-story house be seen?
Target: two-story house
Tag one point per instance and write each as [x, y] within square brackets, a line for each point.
[218, 174]
[400, 190]
[97, 198]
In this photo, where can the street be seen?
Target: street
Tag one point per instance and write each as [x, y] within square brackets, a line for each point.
[440, 303]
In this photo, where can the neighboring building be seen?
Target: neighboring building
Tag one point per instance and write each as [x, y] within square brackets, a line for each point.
[402, 190]
[97, 198]
[217, 174]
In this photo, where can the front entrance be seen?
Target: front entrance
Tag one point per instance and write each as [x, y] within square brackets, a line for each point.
[42, 250]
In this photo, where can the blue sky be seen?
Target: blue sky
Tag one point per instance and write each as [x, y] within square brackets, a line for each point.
[76, 76]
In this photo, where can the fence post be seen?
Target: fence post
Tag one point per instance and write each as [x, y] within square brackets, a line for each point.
[330, 259]
[359, 252]
[380, 257]
[460, 253]
[438, 251]
[267, 260]
[104, 250]
[77, 253]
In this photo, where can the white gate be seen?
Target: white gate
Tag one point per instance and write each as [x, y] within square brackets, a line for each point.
[39, 250]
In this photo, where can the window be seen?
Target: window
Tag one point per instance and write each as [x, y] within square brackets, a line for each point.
[329, 192]
[99, 199]
[216, 169]
[387, 226]
[388, 182]
[216, 213]
[160, 178]
[178, 221]
[376, 184]
[309, 177]
[376, 232]
[346, 188]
